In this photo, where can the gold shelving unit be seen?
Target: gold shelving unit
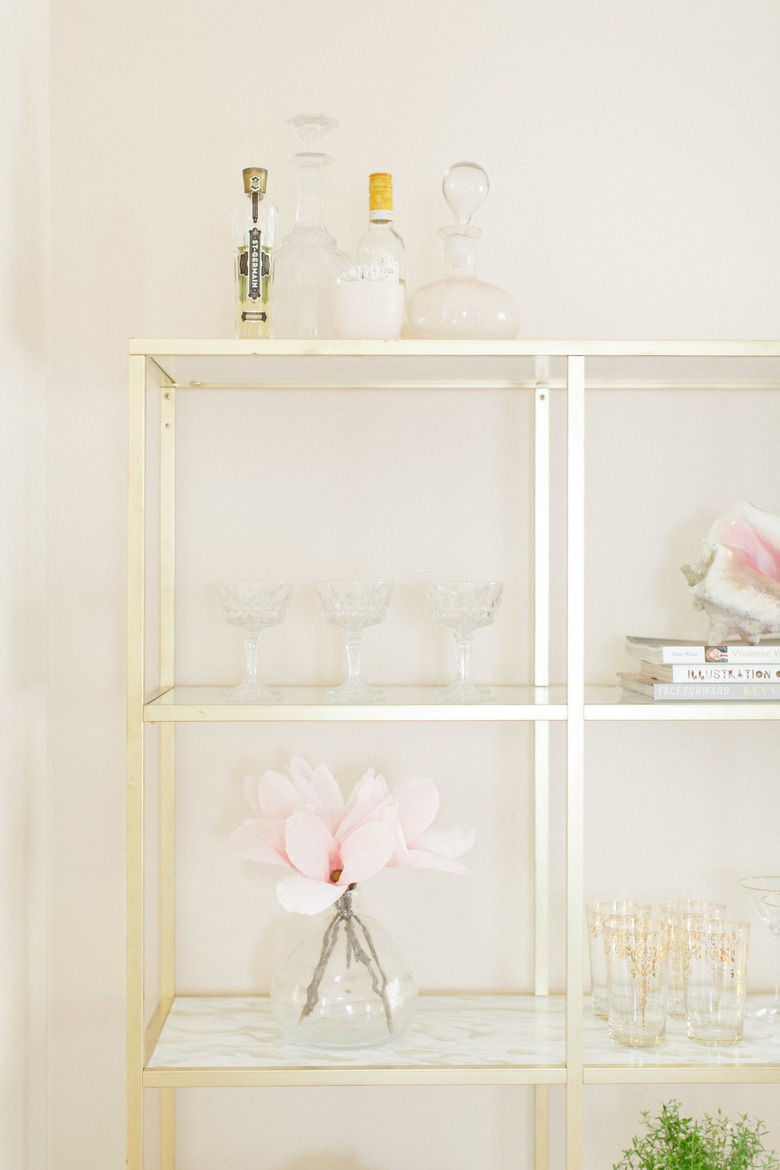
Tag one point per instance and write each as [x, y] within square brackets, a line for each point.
[537, 1040]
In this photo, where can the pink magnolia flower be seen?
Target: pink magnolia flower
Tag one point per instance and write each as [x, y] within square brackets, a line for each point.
[302, 822]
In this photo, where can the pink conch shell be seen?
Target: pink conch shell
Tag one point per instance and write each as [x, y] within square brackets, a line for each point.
[737, 581]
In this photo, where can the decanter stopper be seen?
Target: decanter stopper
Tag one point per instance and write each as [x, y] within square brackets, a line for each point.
[465, 186]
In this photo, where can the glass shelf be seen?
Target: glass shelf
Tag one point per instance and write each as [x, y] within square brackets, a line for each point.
[679, 1060]
[202, 704]
[207, 705]
[207, 364]
[607, 703]
[492, 1039]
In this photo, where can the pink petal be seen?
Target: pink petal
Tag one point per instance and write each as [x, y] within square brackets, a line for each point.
[424, 860]
[275, 795]
[304, 896]
[261, 841]
[301, 767]
[366, 851]
[445, 843]
[311, 846]
[328, 793]
[417, 800]
[438, 848]
[364, 803]
[300, 778]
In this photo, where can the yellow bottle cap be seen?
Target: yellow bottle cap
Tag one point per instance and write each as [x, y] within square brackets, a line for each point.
[380, 191]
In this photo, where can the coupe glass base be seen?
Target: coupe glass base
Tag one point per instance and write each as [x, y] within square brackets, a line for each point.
[248, 692]
[354, 693]
[465, 694]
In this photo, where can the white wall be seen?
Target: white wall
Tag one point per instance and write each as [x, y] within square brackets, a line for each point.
[24, 321]
[632, 155]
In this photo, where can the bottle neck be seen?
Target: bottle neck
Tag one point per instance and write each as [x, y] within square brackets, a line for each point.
[460, 252]
[383, 215]
[308, 211]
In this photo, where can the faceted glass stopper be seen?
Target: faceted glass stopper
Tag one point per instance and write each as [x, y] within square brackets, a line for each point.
[465, 186]
[311, 127]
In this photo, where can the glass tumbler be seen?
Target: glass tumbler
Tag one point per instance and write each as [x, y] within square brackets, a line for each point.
[681, 915]
[715, 980]
[597, 913]
[637, 950]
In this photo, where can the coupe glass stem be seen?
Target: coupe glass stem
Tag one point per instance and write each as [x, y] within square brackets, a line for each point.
[251, 638]
[463, 646]
[354, 644]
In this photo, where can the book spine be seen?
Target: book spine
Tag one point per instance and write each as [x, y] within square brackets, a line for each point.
[709, 673]
[719, 655]
[760, 692]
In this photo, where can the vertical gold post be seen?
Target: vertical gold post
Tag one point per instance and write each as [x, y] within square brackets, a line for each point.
[167, 673]
[167, 808]
[135, 761]
[575, 384]
[541, 741]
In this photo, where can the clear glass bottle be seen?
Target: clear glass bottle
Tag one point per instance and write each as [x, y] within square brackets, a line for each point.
[254, 228]
[460, 305]
[308, 261]
[381, 240]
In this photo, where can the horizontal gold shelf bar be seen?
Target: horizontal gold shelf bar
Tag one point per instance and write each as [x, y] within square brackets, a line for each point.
[160, 1078]
[232, 347]
[200, 704]
[677, 1074]
[604, 703]
[205, 704]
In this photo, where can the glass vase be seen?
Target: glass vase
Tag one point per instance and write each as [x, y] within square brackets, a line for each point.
[345, 985]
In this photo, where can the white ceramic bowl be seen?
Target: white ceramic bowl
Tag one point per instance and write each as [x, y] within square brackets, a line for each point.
[368, 309]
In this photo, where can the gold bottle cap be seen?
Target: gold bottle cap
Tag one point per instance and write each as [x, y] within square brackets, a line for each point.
[380, 192]
[255, 179]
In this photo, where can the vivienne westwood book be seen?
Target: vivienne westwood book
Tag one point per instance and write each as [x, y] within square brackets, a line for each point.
[642, 685]
[671, 650]
[709, 672]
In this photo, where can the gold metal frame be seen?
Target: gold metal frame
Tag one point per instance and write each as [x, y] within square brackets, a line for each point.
[167, 368]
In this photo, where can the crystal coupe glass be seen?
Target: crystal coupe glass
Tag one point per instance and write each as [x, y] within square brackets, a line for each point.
[354, 605]
[253, 605]
[760, 891]
[465, 606]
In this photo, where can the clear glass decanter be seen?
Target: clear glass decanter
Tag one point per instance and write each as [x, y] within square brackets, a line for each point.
[308, 262]
[459, 305]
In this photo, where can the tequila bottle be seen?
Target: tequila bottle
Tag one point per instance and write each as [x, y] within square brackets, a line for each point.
[381, 243]
[254, 227]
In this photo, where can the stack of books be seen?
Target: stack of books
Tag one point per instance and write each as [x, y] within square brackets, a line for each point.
[670, 668]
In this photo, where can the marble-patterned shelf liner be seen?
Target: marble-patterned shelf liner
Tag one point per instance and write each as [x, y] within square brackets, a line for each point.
[760, 1044]
[446, 1032]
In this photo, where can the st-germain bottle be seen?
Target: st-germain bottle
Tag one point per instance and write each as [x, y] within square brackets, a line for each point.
[254, 228]
[380, 240]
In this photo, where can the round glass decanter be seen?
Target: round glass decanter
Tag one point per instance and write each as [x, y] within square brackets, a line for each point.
[308, 263]
[345, 985]
[460, 305]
